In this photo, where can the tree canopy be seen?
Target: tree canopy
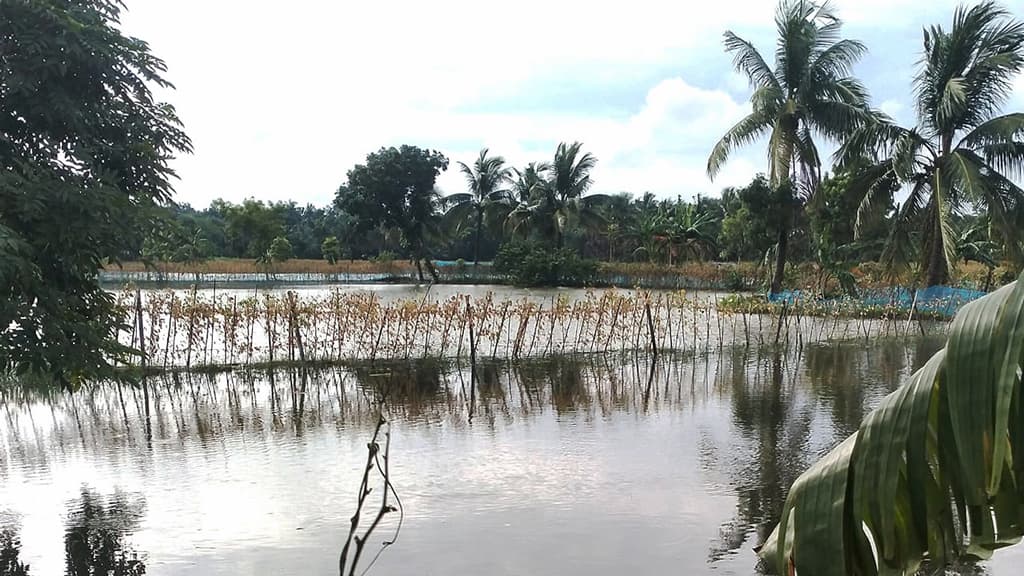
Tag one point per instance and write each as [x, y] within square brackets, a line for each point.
[395, 189]
[84, 147]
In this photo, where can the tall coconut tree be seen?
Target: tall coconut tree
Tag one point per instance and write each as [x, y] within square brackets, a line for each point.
[961, 153]
[486, 179]
[560, 198]
[528, 181]
[526, 190]
[810, 93]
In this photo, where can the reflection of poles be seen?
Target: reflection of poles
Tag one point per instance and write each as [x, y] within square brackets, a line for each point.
[142, 348]
[650, 380]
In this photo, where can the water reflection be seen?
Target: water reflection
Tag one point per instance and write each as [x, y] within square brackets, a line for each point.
[96, 537]
[95, 540]
[10, 549]
[691, 455]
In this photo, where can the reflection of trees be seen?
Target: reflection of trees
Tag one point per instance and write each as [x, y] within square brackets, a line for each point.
[768, 417]
[774, 407]
[416, 389]
[203, 408]
[10, 548]
[850, 379]
[95, 539]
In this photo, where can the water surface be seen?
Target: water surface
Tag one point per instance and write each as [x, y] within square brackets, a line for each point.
[568, 465]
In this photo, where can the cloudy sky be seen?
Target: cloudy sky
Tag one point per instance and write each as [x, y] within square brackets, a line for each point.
[282, 98]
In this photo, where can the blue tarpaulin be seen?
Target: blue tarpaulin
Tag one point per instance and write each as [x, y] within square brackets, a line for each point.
[944, 300]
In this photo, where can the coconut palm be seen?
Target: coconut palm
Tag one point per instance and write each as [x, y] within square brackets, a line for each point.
[648, 231]
[527, 185]
[617, 217]
[961, 153]
[528, 181]
[689, 231]
[559, 199]
[809, 93]
[486, 180]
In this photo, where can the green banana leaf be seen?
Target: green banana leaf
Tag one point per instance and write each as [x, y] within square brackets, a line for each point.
[935, 472]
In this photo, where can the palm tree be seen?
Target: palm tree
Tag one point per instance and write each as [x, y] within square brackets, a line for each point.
[527, 186]
[960, 153]
[486, 179]
[559, 199]
[528, 181]
[809, 92]
[617, 216]
[690, 230]
[975, 245]
[648, 231]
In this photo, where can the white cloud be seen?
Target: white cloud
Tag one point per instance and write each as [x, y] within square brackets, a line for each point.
[661, 148]
[281, 99]
[1018, 93]
[896, 110]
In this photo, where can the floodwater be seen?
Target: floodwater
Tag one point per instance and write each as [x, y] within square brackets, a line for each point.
[568, 465]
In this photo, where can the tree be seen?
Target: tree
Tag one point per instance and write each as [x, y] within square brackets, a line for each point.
[753, 216]
[809, 92]
[395, 189]
[486, 195]
[617, 215]
[527, 187]
[960, 152]
[558, 198]
[84, 148]
[280, 250]
[251, 226]
[647, 232]
[689, 231]
[331, 249]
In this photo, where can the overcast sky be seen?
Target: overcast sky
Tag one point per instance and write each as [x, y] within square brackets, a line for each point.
[282, 98]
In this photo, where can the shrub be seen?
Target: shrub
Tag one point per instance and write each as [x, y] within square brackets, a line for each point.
[532, 264]
[280, 250]
[384, 257]
[330, 248]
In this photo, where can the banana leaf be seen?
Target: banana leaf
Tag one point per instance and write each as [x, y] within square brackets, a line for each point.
[935, 472]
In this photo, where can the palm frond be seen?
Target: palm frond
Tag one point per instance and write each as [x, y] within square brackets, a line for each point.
[471, 179]
[1005, 158]
[745, 131]
[966, 73]
[781, 147]
[837, 60]
[899, 244]
[1002, 199]
[1004, 129]
[835, 119]
[748, 60]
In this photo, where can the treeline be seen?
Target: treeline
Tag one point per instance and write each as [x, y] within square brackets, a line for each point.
[519, 211]
[920, 199]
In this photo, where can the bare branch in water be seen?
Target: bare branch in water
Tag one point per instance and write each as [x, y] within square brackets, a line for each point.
[381, 464]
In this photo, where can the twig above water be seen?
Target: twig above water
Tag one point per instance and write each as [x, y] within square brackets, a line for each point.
[381, 464]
